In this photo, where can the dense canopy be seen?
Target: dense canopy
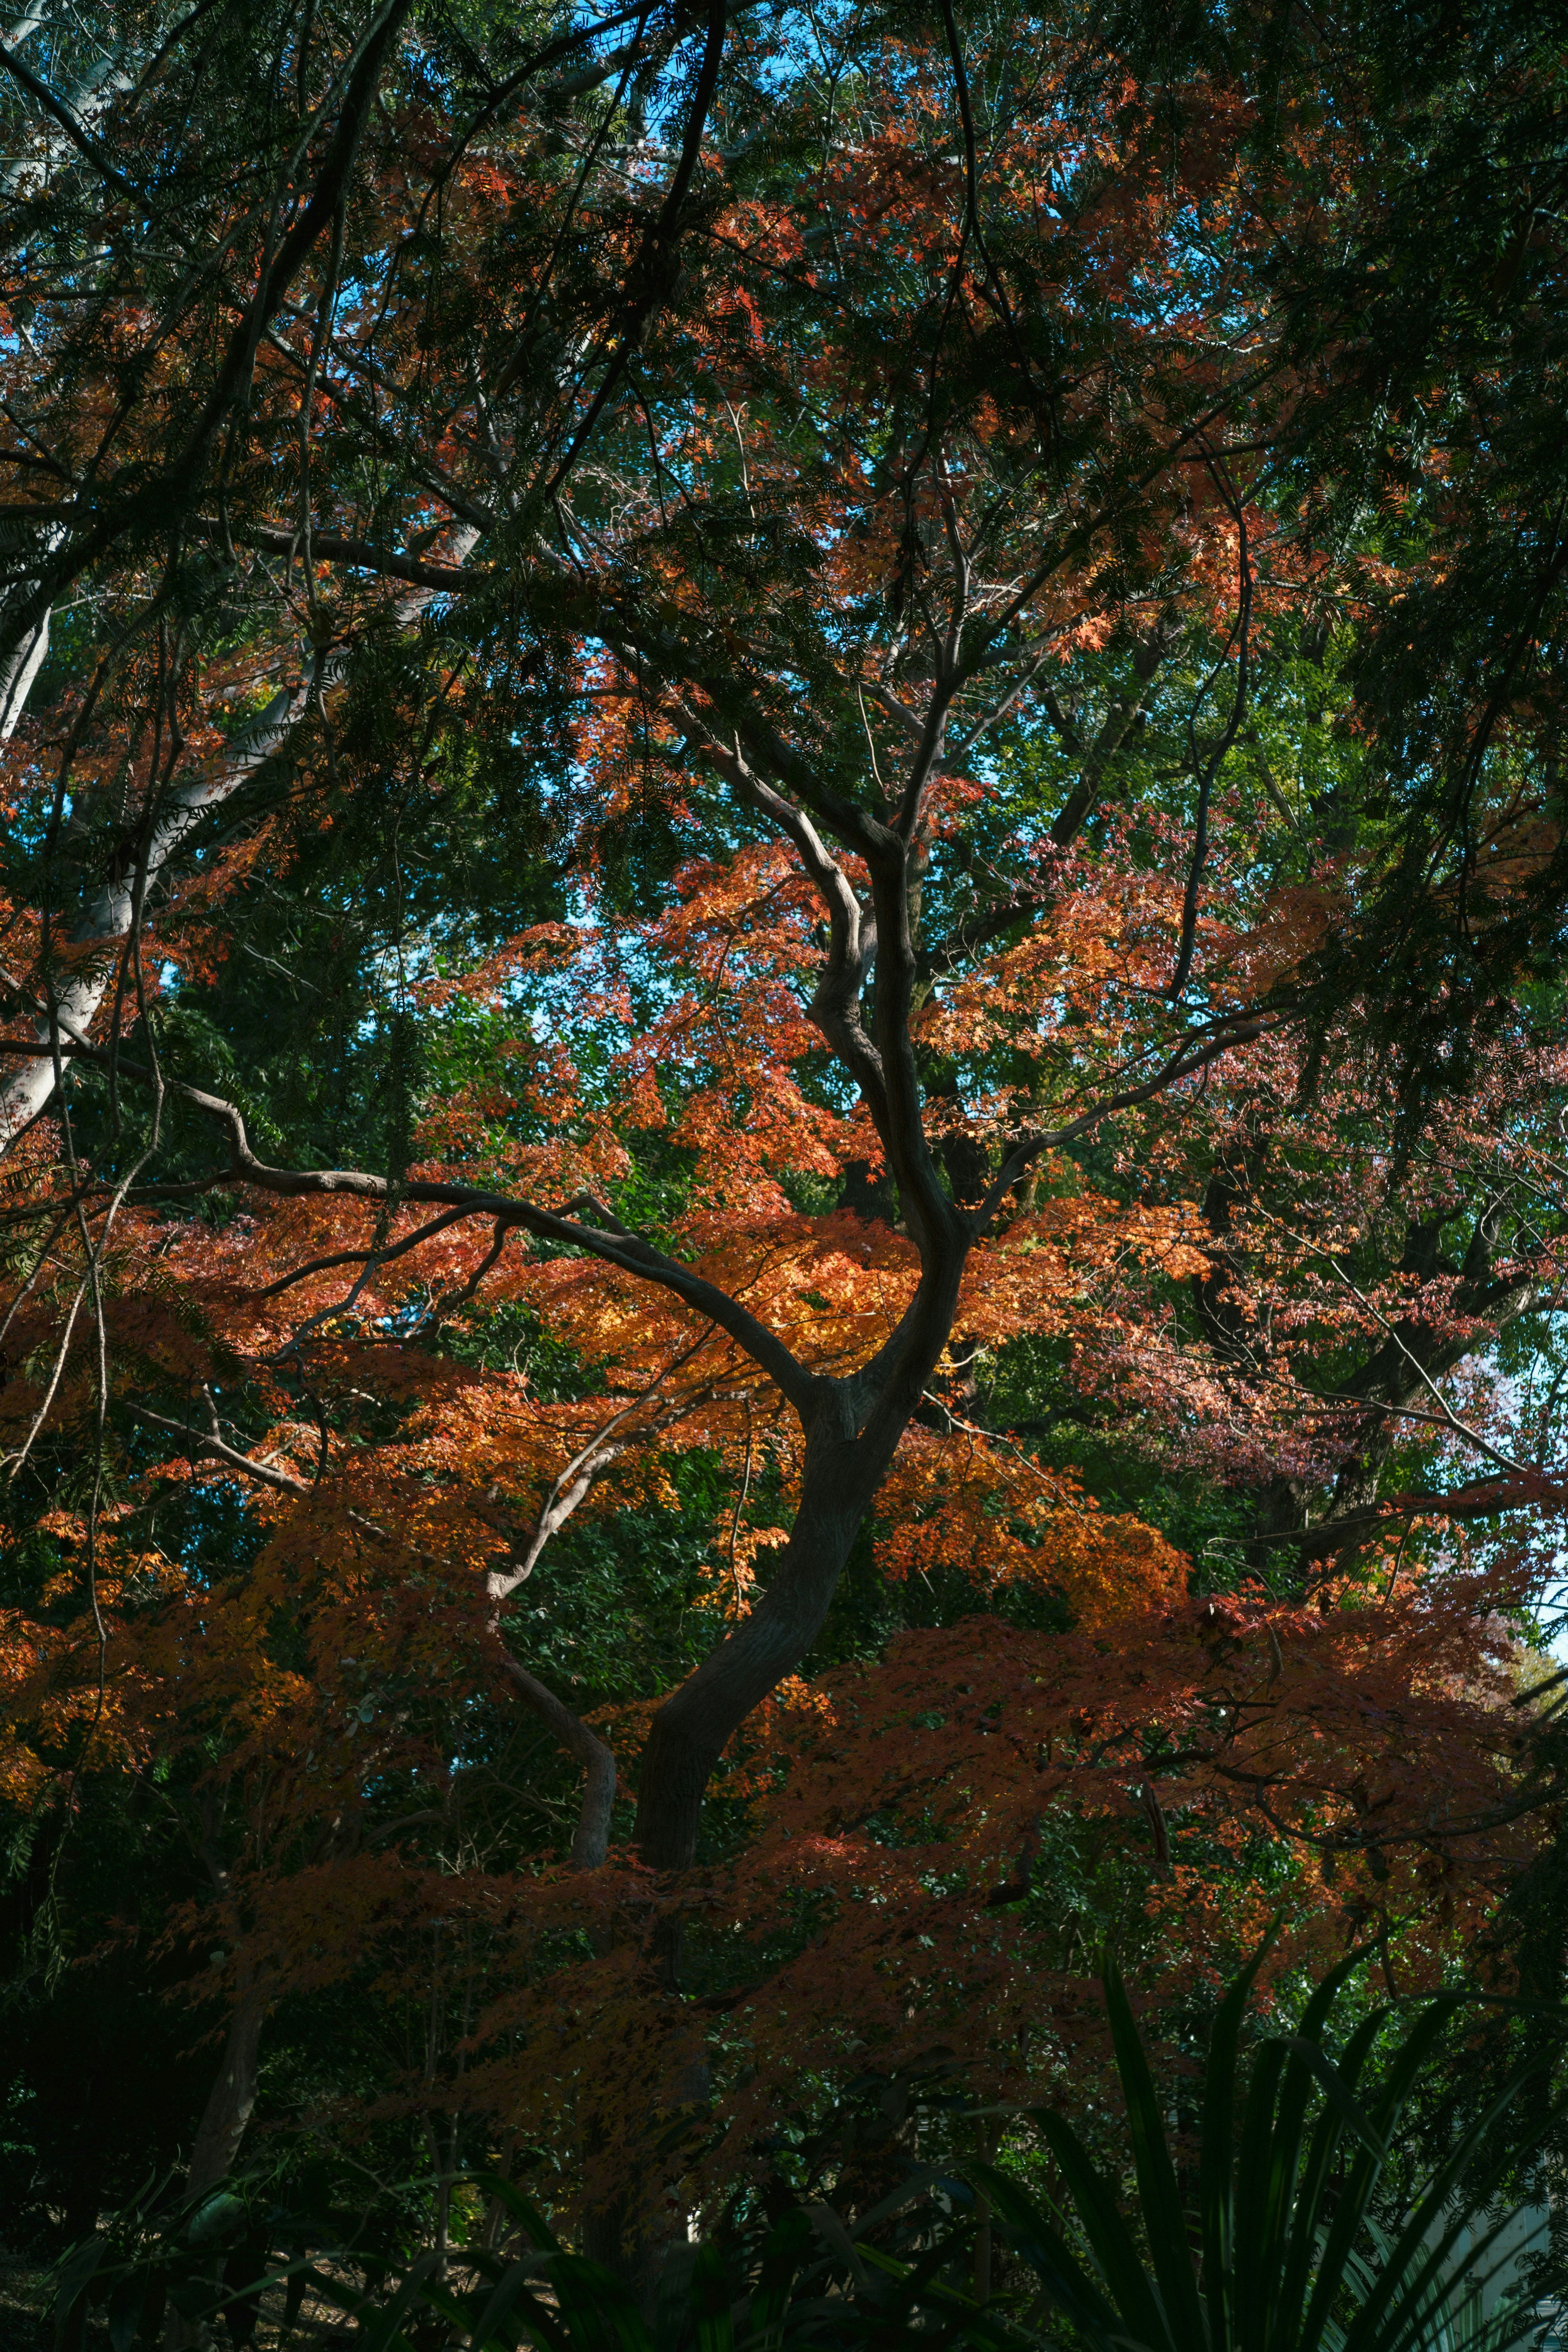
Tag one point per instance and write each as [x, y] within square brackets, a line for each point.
[784, 1090]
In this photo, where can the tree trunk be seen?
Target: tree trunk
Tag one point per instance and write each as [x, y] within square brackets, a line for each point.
[850, 1439]
[217, 2140]
[688, 1735]
[230, 2100]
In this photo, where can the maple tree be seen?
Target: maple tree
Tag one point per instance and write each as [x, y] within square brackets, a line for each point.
[850, 950]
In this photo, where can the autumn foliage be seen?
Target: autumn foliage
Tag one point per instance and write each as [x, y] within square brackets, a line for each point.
[782, 1139]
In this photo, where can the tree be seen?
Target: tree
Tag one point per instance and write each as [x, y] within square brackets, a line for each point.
[848, 784]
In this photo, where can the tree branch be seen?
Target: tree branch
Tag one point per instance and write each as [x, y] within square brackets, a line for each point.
[591, 1841]
[446, 578]
[1181, 1065]
[81, 140]
[621, 1248]
[211, 1446]
[1477, 1498]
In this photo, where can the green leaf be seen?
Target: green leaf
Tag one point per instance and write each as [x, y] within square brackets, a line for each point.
[152, 2308]
[215, 2220]
[600, 2312]
[1034, 2235]
[1279, 2211]
[1331, 2080]
[1299, 2198]
[522, 2209]
[125, 2308]
[294, 2294]
[1287, 2222]
[1216, 2199]
[72, 2281]
[783, 2256]
[710, 2301]
[1164, 2223]
[512, 2298]
[381, 2330]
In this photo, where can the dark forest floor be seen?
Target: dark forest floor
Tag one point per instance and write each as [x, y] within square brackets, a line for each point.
[22, 2323]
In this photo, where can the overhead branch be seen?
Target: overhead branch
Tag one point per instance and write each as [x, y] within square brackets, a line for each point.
[1413, 1355]
[208, 1445]
[707, 667]
[332, 547]
[1241, 636]
[836, 1007]
[1477, 1498]
[1183, 1064]
[648, 280]
[367, 1258]
[1149, 655]
[176, 486]
[621, 1248]
[883, 1067]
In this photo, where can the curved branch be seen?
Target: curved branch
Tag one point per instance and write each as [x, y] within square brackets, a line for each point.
[836, 1007]
[365, 1257]
[213, 1448]
[332, 547]
[1181, 1065]
[1477, 1498]
[803, 1388]
[1217, 758]
[588, 1464]
[591, 1841]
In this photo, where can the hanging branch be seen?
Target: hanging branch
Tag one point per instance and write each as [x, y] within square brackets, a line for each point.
[1241, 631]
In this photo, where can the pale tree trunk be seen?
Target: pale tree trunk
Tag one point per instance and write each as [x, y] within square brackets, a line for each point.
[230, 2100]
[18, 672]
[103, 82]
[218, 2142]
[64, 1019]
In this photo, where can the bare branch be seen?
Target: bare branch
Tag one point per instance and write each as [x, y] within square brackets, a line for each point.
[211, 1447]
[588, 1464]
